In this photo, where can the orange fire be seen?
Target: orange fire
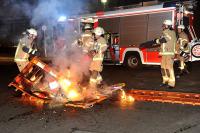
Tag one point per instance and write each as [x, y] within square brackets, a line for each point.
[73, 95]
[65, 84]
[126, 98]
[70, 90]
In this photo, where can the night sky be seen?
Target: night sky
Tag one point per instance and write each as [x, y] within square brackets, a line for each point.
[14, 9]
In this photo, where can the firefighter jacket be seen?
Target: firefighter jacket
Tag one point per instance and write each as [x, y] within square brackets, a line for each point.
[100, 46]
[183, 42]
[168, 47]
[86, 41]
[24, 49]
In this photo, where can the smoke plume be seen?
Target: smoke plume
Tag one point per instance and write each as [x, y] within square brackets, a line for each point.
[57, 38]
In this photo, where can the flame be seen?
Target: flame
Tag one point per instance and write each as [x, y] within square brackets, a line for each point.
[123, 95]
[131, 99]
[69, 89]
[73, 95]
[65, 84]
[126, 98]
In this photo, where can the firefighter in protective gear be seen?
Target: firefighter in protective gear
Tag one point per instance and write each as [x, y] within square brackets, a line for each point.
[86, 39]
[182, 49]
[98, 49]
[167, 52]
[25, 48]
[86, 42]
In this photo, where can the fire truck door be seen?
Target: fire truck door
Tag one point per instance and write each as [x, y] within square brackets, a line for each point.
[152, 55]
[112, 52]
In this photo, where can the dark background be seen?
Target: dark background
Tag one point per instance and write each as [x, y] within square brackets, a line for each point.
[14, 19]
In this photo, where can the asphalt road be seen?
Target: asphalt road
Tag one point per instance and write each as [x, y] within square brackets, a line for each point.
[108, 116]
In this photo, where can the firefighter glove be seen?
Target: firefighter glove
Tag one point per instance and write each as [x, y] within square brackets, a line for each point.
[162, 40]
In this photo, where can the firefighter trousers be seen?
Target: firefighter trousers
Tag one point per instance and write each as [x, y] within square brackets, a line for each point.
[167, 70]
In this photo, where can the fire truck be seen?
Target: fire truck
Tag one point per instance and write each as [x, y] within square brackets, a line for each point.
[126, 29]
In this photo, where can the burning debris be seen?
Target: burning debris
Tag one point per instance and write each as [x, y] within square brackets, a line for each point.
[62, 82]
[41, 84]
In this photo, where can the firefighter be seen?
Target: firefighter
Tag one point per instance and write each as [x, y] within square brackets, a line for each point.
[97, 51]
[167, 52]
[25, 48]
[86, 38]
[85, 42]
[182, 49]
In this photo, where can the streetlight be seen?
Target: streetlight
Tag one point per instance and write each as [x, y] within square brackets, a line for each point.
[104, 3]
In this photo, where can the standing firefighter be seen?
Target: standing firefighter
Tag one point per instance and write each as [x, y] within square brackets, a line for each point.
[25, 48]
[86, 42]
[98, 49]
[182, 49]
[167, 52]
[86, 37]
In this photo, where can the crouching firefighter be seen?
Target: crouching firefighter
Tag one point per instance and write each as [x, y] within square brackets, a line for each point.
[97, 51]
[182, 49]
[167, 52]
[25, 48]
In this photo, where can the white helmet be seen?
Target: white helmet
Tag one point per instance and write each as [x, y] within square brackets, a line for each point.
[87, 27]
[181, 27]
[98, 31]
[32, 31]
[167, 22]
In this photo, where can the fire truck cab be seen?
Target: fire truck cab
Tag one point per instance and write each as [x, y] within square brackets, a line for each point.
[126, 29]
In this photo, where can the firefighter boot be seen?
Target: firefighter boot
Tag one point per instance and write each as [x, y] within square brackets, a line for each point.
[163, 85]
[186, 70]
[170, 87]
[180, 73]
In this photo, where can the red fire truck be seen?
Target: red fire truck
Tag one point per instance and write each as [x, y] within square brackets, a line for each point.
[126, 29]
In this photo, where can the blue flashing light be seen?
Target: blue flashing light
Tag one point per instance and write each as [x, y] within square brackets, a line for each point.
[62, 19]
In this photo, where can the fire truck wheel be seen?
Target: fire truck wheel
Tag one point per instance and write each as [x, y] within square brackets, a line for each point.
[133, 61]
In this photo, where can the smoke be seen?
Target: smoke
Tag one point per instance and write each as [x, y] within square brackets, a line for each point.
[59, 37]
[48, 11]
[56, 38]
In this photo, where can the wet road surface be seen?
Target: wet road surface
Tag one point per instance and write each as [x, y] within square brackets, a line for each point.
[109, 116]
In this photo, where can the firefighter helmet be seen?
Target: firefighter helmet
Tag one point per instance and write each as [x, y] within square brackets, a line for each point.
[32, 31]
[181, 27]
[87, 27]
[98, 31]
[167, 22]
